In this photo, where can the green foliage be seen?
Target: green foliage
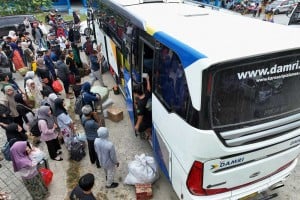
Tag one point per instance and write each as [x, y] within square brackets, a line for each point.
[67, 17]
[16, 7]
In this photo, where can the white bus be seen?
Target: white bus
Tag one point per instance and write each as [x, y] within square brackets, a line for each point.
[225, 93]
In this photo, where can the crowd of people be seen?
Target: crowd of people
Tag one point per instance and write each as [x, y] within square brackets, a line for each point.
[44, 55]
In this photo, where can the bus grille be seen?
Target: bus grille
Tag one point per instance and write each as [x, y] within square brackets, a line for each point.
[260, 132]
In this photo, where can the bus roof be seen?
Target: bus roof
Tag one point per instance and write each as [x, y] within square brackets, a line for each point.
[217, 35]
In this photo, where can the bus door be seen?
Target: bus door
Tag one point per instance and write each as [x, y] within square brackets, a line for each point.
[145, 62]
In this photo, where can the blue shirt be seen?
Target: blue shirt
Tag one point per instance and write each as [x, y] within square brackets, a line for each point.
[90, 127]
[50, 65]
[95, 66]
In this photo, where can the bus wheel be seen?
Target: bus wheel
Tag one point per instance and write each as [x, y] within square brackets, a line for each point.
[88, 31]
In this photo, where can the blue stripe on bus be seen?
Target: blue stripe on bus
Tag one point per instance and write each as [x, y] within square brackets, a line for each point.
[158, 154]
[186, 54]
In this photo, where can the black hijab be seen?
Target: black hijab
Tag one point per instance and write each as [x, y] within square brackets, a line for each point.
[59, 107]
[13, 132]
[19, 99]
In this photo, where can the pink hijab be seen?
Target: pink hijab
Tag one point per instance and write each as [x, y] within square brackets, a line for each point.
[19, 157]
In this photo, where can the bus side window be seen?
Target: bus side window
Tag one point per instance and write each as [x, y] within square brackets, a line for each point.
[170, 83]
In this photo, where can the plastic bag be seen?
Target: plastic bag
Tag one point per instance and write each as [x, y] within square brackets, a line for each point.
[81, 137]
[33, 66]
[142, 170]
[36, 155]
[57, 87]
[47, 175]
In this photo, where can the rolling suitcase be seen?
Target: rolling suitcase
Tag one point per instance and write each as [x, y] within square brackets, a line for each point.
[77, 151]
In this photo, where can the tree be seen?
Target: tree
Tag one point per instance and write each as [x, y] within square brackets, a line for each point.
[17, 7]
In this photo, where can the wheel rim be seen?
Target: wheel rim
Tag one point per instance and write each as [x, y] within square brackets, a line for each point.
[87, 31]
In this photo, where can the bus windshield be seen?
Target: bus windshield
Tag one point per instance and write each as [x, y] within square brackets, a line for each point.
[254, 91]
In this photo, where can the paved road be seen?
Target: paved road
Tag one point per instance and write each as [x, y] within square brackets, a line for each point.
[127, 146]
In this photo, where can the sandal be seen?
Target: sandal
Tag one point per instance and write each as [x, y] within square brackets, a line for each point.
[58, 159]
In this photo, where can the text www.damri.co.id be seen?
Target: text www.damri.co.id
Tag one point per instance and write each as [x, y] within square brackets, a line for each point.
[276, 69]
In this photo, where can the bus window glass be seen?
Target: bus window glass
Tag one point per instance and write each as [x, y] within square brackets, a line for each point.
[170, 83]
[255, 91]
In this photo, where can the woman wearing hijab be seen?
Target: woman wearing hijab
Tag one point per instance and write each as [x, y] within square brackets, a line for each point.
[27, 169]
[31, 75]
[47, 127]
[27, 115]
[64, 122]
[89, 98]
[51, 101]
[33, 93]
[9, 101]
[14, 133]
[17, 56]
[43, 73]
[22, 108]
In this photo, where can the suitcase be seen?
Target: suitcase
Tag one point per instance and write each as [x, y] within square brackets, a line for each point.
[102, 91]
[77, 151]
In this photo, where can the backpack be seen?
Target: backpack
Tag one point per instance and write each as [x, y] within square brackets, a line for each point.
[34, 127]
[79, 104]
[4, 110]
[6, 149]
[77, 151]
[3, 60]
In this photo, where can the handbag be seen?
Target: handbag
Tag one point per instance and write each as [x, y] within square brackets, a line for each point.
[57, 87]
[71, 78]
[29, 101]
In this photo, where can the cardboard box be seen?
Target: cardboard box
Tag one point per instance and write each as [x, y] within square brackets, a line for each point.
[115, 114]
[143, 191]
